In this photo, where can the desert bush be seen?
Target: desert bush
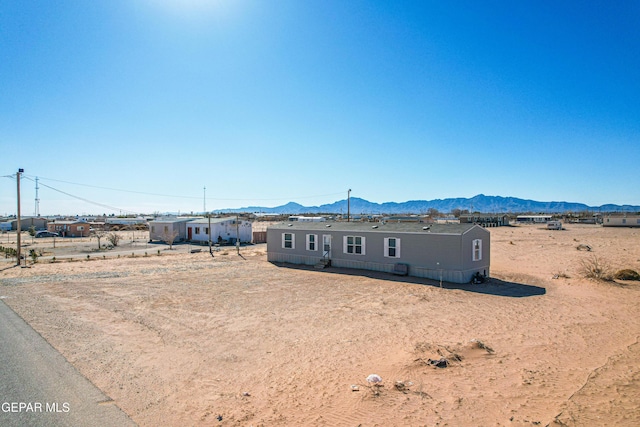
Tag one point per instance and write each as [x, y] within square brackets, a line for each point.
[627, 274]
[596, 268]
[113, 238]
[10, 253]
[34, 255]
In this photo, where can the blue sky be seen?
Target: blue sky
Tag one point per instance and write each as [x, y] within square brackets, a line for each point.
[137, 105]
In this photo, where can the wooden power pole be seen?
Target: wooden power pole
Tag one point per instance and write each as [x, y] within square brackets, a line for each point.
[19, 226]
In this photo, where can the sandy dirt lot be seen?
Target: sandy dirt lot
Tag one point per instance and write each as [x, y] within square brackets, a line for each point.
[189, 340]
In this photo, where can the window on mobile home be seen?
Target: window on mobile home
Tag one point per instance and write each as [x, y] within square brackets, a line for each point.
[311, 242]
[477, 250]
[354, 245]
[288, 241]
[392, 247]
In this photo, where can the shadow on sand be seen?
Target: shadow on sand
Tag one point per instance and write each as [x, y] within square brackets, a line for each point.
[491, 287]
[9, 267]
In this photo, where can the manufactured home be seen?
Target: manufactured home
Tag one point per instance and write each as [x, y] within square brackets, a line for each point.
[450, 252]
[302, 218]
[629, 220]
[533, 219]
[485, 220]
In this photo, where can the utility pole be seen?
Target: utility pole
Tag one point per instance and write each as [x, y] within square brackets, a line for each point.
[209, 216]
[237, 234]
[349, 205]
[37, 200]
[19, 229]
[204, 206]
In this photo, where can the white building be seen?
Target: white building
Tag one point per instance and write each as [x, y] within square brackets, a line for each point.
[223, 230]
[301, 218]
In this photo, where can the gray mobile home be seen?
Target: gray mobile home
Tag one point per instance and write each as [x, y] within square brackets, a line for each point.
[451, 252]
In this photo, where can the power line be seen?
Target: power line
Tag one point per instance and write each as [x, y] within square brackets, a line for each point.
[181, 196]
[38, 181]
[85, 200]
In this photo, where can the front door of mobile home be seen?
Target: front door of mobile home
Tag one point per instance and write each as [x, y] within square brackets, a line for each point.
[326, 246]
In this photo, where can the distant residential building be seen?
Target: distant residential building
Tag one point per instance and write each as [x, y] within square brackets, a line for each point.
[410, 218]
[446, 220]
[533, 219]
[125, 221]
[66, 228]
[303, 218]
[30, 221]
[485, 220]
[629, 220]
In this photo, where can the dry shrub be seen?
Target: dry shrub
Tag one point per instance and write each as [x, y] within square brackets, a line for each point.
[596, 268]
[627, 274]
[561, 275]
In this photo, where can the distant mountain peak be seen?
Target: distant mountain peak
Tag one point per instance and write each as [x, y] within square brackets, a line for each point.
[478, 203]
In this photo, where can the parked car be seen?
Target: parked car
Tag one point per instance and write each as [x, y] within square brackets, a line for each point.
[46, 234]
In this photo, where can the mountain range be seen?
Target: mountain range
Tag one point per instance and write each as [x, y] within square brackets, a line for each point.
[479, 203]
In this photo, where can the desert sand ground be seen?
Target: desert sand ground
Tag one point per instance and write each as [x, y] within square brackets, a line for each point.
[190, 340]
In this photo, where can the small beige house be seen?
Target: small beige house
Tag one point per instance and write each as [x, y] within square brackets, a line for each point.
[163, 229]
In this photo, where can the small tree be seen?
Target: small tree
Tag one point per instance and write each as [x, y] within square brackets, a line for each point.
[32, 231]
[433, 212]
[113, 238]
[34, 255]
[99, 234]
[169, 237]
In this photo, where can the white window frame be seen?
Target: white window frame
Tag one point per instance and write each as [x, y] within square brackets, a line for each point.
[293, 240]
[362, 245]
[387, 247]
[476, 256]
[315, 242]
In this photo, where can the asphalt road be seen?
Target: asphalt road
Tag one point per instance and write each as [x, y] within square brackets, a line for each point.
[39, 387]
